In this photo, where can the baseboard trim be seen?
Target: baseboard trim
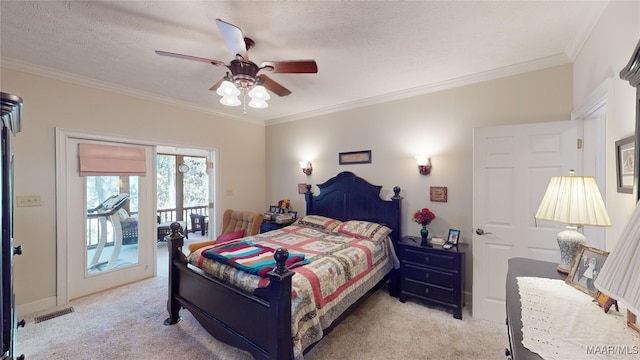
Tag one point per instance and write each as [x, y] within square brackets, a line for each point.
[36, 306]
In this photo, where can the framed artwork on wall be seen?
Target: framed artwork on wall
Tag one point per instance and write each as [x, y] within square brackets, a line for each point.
[302, 188]
[438, 193]
[355, 157]
[625, 155]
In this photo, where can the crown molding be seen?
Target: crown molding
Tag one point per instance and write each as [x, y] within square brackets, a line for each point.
[494, 74]
[101, 85]
[589, 22]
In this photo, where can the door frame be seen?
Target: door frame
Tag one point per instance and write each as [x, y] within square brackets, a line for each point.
[61, 136]
[211, 161]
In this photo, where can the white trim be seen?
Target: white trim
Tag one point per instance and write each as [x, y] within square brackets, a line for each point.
[62, 135]
[594, 101]
[595, 105]
[62, 292]
[33, 307]
[589, 22]
[543, 63]
[102, 85]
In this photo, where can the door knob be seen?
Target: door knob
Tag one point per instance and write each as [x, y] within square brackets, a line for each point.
[480, 231]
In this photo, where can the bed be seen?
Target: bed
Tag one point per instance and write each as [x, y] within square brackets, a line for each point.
[258, 317]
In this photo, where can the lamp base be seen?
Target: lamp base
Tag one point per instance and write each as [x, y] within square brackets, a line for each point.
[569, 242]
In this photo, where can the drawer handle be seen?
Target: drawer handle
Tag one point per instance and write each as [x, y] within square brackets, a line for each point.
[426, 275]
[426, 259]
[426, 291]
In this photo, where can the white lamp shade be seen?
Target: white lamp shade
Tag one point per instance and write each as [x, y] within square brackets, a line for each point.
[259, 93]
[620, 276]
[258, 104]
[227, 89]
[422, 160]
[230, 101]
[573, 200]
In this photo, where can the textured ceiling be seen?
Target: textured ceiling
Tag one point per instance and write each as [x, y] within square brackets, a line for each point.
[367, 52]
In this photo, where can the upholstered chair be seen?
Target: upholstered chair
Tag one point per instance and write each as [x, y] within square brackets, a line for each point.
[233, 221]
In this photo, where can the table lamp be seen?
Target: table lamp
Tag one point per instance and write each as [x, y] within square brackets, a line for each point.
[619, 277]
[575, 201]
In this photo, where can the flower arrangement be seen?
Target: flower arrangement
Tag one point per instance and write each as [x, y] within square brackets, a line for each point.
[423, 216]
[284, 204]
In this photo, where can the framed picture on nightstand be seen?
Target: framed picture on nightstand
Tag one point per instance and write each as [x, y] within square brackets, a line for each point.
[454, 236]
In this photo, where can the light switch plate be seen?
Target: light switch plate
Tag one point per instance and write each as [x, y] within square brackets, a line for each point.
[29, 200]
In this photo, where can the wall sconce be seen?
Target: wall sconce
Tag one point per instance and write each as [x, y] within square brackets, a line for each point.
[424, 164]
[306, 167]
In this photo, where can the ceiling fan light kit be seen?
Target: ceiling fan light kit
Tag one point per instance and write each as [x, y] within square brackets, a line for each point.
[243, 78]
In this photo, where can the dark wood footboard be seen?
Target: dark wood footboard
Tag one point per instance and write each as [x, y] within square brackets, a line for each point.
[261, 322]
[260, 325]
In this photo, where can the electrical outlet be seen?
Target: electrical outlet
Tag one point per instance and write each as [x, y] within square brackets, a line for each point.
[29, 200]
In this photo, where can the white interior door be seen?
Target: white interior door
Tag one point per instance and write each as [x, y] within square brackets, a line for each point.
[512, 166]
[105, 248]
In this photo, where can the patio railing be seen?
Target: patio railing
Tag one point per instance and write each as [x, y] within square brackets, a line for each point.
[163, 215]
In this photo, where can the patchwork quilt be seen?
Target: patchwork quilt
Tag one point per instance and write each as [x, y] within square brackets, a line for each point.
[341, 268]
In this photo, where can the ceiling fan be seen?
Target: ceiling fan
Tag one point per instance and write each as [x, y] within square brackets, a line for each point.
[242, 77]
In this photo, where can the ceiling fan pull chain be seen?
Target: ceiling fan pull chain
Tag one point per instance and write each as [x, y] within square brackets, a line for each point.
[244, 102]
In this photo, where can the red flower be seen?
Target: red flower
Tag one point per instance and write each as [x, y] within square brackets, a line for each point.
[284, 204]
[423, 216]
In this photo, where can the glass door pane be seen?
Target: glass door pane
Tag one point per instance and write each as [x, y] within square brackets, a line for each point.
[112, 222]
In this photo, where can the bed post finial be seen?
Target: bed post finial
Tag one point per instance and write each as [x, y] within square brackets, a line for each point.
[281, 255]
[396, 191]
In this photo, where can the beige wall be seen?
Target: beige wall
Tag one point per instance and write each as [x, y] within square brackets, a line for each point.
[440, 124]
[605, 53]
[51, 103]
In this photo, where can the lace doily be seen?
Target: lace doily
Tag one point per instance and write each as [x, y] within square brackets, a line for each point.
[561, 322]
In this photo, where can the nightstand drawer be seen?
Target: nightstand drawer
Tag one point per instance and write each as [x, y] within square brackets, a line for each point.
[434, 292]
[424, 256]
[427, 275]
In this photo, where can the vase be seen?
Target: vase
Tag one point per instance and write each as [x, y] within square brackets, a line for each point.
[424, 233]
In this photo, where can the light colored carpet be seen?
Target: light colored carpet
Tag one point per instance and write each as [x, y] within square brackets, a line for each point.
[126, 323]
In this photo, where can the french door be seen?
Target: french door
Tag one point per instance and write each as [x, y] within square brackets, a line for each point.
[105, 222]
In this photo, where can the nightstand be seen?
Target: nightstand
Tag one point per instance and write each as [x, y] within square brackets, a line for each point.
[268, 225]
[432, 274]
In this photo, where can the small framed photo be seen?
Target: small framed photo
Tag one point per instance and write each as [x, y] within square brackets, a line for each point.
[274, 209]
[355, 157]
[294, 214]
[302, 188]
[625, 156]
[586, 266]
[454, 236]
[438, 193]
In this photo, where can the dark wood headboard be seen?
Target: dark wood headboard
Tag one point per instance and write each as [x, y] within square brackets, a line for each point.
[349, 197]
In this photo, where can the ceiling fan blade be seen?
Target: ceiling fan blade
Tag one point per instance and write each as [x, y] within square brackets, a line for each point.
[232, 36]
[276, 88]
[292, 66]
[216, 85]
[189, 57]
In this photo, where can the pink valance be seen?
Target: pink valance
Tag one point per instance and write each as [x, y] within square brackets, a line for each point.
[110, 160]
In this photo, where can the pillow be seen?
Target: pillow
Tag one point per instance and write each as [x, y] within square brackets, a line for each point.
[230, 236]
[320, 222]
[363, 230]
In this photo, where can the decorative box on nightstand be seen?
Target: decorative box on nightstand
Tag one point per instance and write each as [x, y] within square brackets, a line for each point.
[433, 274]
